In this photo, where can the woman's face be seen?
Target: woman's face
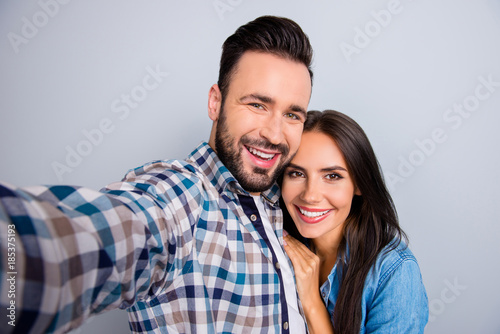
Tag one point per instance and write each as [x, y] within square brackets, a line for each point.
[317, 188]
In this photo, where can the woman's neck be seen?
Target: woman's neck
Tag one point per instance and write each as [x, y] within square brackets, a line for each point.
[326, 248]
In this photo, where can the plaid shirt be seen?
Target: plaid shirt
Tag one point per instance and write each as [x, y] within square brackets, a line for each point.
[177, 243]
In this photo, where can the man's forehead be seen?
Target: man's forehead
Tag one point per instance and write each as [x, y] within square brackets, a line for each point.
[255, 70]
[250, 59]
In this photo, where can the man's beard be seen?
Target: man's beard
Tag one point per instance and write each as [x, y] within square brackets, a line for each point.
[259, 179]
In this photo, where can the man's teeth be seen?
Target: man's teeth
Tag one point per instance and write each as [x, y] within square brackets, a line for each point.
[313, 214]
[260, 154]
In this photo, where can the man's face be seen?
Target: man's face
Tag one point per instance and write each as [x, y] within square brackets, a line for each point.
[258, 128]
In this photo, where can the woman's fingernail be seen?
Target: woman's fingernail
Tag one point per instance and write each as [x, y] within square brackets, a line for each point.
[285, 233]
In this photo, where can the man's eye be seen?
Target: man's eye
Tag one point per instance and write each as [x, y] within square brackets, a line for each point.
[292, 116]
[256, 105]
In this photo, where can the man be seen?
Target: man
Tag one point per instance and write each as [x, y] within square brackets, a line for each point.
[184, 246]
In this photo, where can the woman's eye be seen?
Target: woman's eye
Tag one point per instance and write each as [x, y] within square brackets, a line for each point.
[333, 176]
[294, 174]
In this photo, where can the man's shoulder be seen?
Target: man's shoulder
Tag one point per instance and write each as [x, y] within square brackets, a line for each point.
[172, 178]
[162, 169]
[164, 166]
[195, 165]
[190, 179]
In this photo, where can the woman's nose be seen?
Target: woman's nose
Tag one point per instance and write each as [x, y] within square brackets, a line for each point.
[311, 193]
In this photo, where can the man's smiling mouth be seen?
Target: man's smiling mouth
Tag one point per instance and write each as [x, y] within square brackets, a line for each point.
[260, 154]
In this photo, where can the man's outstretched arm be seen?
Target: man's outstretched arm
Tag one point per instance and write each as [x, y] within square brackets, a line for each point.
[67, 253]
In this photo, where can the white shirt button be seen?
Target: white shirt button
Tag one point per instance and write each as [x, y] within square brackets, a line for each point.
[277, 264]
[253, 218]
[285, 325]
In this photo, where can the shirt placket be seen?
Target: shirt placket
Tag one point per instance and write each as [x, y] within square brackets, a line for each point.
[251, 211]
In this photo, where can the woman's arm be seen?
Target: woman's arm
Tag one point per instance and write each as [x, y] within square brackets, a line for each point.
[399, 300]
[306, 266]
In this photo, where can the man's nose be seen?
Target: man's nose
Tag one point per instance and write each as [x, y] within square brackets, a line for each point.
[273, 129]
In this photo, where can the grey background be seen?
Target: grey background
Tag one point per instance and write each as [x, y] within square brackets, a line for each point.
[68, 74]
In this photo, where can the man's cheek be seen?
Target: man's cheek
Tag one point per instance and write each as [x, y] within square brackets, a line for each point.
[294, 146]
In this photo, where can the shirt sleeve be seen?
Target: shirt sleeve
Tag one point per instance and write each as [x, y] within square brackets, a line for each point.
[400, 302]
[68, 253]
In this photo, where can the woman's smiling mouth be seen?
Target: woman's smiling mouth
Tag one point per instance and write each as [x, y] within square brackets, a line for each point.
[312, 216]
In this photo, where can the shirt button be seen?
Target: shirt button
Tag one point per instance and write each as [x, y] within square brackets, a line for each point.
[285, 325]
[278, 265]
[323, 294]
[253, 218]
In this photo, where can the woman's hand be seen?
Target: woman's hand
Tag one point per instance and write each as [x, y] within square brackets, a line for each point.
[306, 265]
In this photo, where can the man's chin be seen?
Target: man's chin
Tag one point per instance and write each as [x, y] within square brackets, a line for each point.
[258, 181]
[256, 187]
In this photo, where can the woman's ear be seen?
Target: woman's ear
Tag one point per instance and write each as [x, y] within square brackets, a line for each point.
[214, 102]
[357, 191]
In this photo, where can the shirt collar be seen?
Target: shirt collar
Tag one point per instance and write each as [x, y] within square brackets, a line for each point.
[220, 177]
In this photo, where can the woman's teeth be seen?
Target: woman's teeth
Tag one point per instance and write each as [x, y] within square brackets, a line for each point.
[313, 214]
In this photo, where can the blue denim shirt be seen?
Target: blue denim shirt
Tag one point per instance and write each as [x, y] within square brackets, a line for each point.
[394, 298]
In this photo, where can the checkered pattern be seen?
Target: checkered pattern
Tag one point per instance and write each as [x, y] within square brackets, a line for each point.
[170, 243]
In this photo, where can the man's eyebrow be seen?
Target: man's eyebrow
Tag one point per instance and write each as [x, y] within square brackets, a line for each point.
[261, 98]
[270, 100]
[299, 109]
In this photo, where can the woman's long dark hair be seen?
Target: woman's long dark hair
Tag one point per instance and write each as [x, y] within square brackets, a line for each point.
[372, 223]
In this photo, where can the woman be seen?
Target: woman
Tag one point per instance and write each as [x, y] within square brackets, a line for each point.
[356, 261]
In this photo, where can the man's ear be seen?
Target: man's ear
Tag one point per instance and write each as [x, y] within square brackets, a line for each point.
[214, 102]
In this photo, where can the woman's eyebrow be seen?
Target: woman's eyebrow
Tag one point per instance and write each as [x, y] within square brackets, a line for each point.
[333, 168]
[325, 169]
[294, 166]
